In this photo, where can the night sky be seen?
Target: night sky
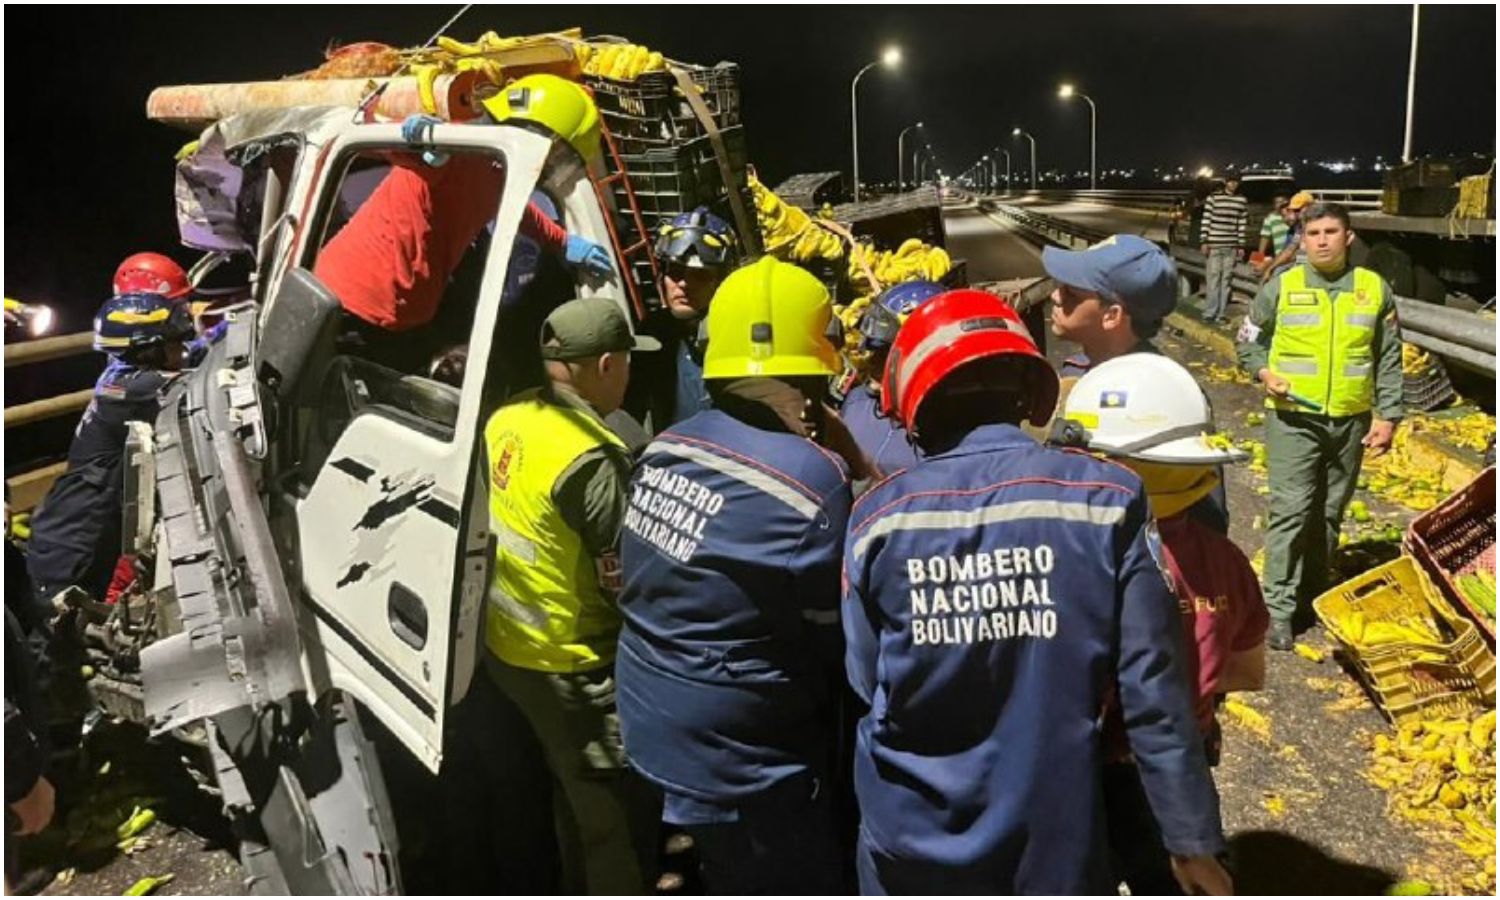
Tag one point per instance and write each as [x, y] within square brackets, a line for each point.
[88, 179]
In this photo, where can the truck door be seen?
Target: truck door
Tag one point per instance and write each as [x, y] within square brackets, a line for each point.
[392, 516]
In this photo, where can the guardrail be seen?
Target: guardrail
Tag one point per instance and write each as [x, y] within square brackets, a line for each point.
[1154, 199]
[29, 487]
[1466, 339]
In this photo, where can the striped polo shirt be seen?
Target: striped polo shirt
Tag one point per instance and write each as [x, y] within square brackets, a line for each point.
[1224, 218]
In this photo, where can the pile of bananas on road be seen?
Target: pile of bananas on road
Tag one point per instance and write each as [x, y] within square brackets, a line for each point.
[1397, 477]
[1472, 431]
[1441, 773]
[788, 233]
[620, 62]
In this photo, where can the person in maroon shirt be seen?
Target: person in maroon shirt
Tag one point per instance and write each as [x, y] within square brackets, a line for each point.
[1147, 412]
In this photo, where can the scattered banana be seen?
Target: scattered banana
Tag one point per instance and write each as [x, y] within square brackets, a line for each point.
[1440, 773]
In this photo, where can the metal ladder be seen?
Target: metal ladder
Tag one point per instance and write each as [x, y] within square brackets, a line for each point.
[640, 237]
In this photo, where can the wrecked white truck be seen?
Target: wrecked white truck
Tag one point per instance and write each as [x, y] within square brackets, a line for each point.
[310, 504]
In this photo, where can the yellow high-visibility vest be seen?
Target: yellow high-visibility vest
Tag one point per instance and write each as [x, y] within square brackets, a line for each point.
[1324, 346]
[545, 610]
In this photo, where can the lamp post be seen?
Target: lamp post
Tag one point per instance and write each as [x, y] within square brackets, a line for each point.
[1411, 83]
[901, 157]
[1017, 132]
[1007, 167]
[890, 59]
[1067, 91]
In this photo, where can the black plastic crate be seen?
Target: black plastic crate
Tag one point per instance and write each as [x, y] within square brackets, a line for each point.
[1422, 173]
[651, 111]
[1427, 201]
[671, 181]
[1427, 390]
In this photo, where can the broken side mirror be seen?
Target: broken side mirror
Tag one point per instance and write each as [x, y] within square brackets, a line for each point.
[303, 315]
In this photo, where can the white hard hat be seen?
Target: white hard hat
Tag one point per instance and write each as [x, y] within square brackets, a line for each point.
[1146, 407]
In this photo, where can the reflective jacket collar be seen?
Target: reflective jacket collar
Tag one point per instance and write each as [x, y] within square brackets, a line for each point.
[986, 438]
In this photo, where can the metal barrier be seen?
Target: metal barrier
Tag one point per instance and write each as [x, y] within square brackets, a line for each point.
[1464, 338]
[28, 488]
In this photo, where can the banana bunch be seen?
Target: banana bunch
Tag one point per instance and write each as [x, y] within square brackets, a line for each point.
[912, 261]
[1362, 633]
[849, 315]
[788, 233]
[1415, 360]
[816, 242]
[1441, 773]
[781, 224]
[620, 62]
[1479, 587]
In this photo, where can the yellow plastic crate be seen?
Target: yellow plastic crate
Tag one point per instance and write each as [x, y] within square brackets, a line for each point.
[1412, 681]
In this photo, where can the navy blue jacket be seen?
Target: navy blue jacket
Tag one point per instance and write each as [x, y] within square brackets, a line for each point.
[75, 533]
[731, 644]
[994, 593]
[883, 440]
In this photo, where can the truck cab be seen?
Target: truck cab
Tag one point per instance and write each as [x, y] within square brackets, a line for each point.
[314, 494]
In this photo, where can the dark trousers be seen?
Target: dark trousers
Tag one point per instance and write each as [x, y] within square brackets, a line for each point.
[784, 842]
[1135, 847]
[607, 817]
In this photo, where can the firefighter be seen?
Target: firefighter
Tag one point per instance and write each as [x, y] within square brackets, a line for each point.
[1147, 412]
[694, 252]
[151, 273]
[75, 533]
[993, 595]
[557, 497]
[728, 661]
[883, 440]
[1322, 339]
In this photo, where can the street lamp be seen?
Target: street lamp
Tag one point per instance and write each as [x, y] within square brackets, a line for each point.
[1017, 132]
[984, 174]
[1067, 91]
[901, 157]
[1007, 167]
[891, 58]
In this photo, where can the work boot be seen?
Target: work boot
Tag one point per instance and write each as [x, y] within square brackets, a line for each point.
[1280, 636]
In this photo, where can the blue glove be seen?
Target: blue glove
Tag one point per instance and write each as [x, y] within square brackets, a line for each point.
[417, 129]
[582, 252]
[413, 129]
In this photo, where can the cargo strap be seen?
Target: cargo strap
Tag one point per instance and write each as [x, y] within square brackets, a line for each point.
[744, 223]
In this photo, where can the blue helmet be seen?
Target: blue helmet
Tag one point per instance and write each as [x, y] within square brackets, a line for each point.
[129, 323]
[883, 318]
[699, 239]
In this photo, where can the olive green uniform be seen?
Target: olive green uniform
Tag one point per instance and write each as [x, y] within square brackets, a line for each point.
[1313, 458]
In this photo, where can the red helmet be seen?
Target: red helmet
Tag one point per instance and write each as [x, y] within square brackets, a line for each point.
[151, 273]
[949, 331]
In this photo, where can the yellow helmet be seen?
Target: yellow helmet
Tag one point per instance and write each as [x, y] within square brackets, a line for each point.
[769, 318]
[561, 106]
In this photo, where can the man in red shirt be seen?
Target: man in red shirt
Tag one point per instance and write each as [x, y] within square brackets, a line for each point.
[390, 263]
[1147, 412]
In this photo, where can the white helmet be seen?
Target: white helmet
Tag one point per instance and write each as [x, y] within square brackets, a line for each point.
[1144, 406]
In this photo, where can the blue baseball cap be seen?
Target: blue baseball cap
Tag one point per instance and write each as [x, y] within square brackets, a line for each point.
[1125, 268]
